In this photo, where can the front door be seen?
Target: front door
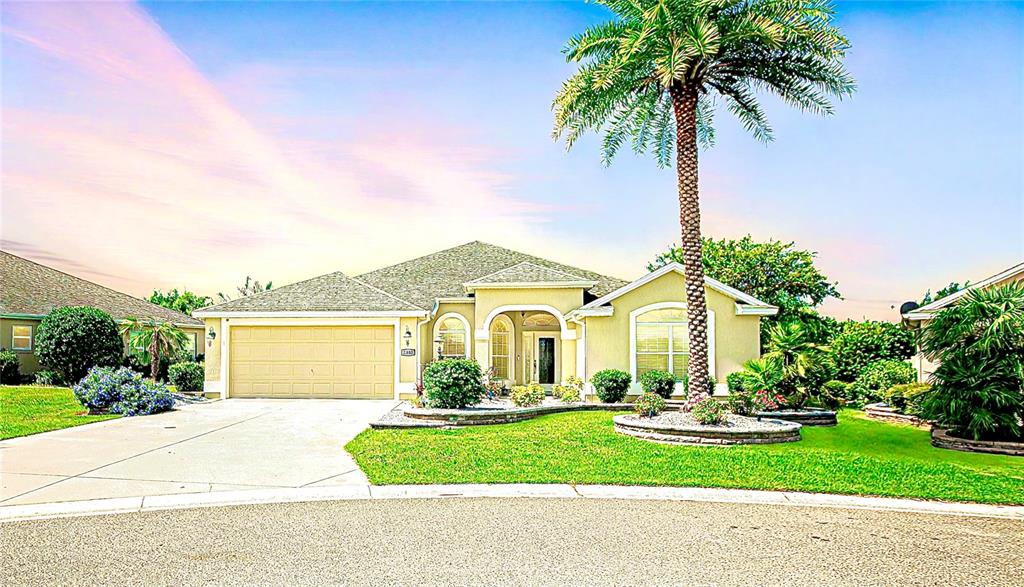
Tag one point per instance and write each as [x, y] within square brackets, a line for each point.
[546, 360]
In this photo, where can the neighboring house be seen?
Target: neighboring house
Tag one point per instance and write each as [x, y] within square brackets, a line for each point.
[29, 291]
[919, 317]
[527, 318]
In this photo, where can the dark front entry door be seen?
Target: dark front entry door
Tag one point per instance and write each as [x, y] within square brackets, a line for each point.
[545, 360]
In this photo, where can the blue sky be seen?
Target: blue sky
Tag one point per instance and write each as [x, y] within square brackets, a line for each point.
[349, 132]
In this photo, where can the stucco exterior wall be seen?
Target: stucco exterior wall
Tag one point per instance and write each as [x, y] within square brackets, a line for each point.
[213, 350]
[28, 362]
[736, 338]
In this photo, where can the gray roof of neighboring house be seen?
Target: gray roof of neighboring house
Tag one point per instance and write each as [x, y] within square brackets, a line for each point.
[442, 274]
[26, 287]
[527, 272]
[334, 292]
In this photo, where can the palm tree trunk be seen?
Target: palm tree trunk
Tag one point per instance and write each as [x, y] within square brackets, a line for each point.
[154, 357]
[684, 103]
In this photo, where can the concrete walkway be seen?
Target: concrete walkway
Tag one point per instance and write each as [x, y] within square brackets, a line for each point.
[228, 445]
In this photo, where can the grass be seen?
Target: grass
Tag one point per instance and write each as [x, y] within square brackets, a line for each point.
[32, 409]
[859, 456]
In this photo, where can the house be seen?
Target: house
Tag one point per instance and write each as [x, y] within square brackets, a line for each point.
[919, 317]
[29, 291]
[524, 317]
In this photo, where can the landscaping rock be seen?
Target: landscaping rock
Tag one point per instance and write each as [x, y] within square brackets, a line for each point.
[682, 428]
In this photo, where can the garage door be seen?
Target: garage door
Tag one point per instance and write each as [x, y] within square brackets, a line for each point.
[355, 362]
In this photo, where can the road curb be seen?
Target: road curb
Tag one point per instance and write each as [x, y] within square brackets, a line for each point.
[123, 505]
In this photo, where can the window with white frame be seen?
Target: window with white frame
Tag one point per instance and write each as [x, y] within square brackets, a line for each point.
[21, 338]
[662, 341]
[501, 348]
[452, 333]
[191, 343]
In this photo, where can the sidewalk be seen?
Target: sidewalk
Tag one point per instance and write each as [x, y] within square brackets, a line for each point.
[369, 492]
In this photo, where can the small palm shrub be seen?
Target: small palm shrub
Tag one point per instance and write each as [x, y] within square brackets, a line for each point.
[649, 404]
[72, 340]
[527, 395]
[611, 385]
[453, 384]
[906, 398]
[978, 387]
[708, 412]
[186, 376]
[121, 391]
[10, 372]
[661, 383]
[877, 377]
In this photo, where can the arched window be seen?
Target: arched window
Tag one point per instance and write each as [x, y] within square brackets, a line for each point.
[662, 341]
[501, 347]
[452, 334]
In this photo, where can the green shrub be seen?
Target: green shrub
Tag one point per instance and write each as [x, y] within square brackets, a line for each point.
[45, 377]
[741, 402]
[566, 393]
[978, 387]
[649, 404]
[72, 340]
[708, 412]
[836, 389]
[877, 377]
[861, 343]
[187, 376]
[611, 385]
[453, 383]
[10, 372]
[527, 395]
[906, 398]
[734, 381]
[658, 382]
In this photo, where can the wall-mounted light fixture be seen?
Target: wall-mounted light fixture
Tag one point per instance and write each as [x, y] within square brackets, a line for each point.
[210, 336]
[439, 341]
[407, 336]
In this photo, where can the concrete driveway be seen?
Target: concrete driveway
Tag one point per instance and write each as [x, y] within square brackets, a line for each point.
[221, 446]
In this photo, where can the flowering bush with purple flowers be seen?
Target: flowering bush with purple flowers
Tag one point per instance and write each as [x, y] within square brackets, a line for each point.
[121, 391]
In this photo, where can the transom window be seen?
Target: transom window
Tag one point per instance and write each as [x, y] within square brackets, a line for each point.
[453, 339]
[21, 338]
[662, 341]
[501, 348]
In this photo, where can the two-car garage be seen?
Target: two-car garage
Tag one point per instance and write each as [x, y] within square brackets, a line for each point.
[350, 362]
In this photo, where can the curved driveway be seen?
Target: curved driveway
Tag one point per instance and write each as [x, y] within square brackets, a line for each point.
[227, 445]
[519, 541]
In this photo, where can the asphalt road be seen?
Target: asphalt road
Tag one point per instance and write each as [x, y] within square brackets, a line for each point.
[514, 542]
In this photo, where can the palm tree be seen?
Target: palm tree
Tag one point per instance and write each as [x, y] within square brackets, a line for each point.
[251, 287]
[799, 359]
[150, 340]
[653, 75]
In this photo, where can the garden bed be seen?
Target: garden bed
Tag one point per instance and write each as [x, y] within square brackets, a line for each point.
[943, 438]
[805, 416]
[682, 428]
[490, 412]
[887, 413]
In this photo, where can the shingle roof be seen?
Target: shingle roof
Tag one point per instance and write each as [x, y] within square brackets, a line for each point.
[527, 272]
[334, 292]
[442, 274]
[29, 288]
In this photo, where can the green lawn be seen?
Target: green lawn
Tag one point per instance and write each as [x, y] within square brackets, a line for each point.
[859, 456]
[29, 409]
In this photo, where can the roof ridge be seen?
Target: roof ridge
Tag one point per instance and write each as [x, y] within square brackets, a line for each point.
[277, 290]
[379, 290]
[94, 284]
[530, 263]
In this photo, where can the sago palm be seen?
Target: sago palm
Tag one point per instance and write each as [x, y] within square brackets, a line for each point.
[150, 340]
[653, 75]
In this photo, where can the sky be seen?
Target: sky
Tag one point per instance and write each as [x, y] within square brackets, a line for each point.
[190, 144]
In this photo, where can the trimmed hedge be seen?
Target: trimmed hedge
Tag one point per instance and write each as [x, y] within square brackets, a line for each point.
[452, 384]
[187, 375]
[611, 385]
[649, 405]
[658, 382]
[72, 340]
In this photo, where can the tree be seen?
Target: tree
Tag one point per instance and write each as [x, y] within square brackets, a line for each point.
[72, 340]
[249, 288]
[653, 74]
[942, 292]
[149, 340]
[184, 301]
[804, 363]
[775, 272]
[978, 387]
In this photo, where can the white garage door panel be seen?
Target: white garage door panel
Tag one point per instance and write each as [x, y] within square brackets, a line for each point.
[325, 362]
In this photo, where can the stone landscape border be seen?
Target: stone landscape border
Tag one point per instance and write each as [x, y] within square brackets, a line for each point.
[807, 417]
[435, 418]
[941, 438]
[773, 432]
[886, 413]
